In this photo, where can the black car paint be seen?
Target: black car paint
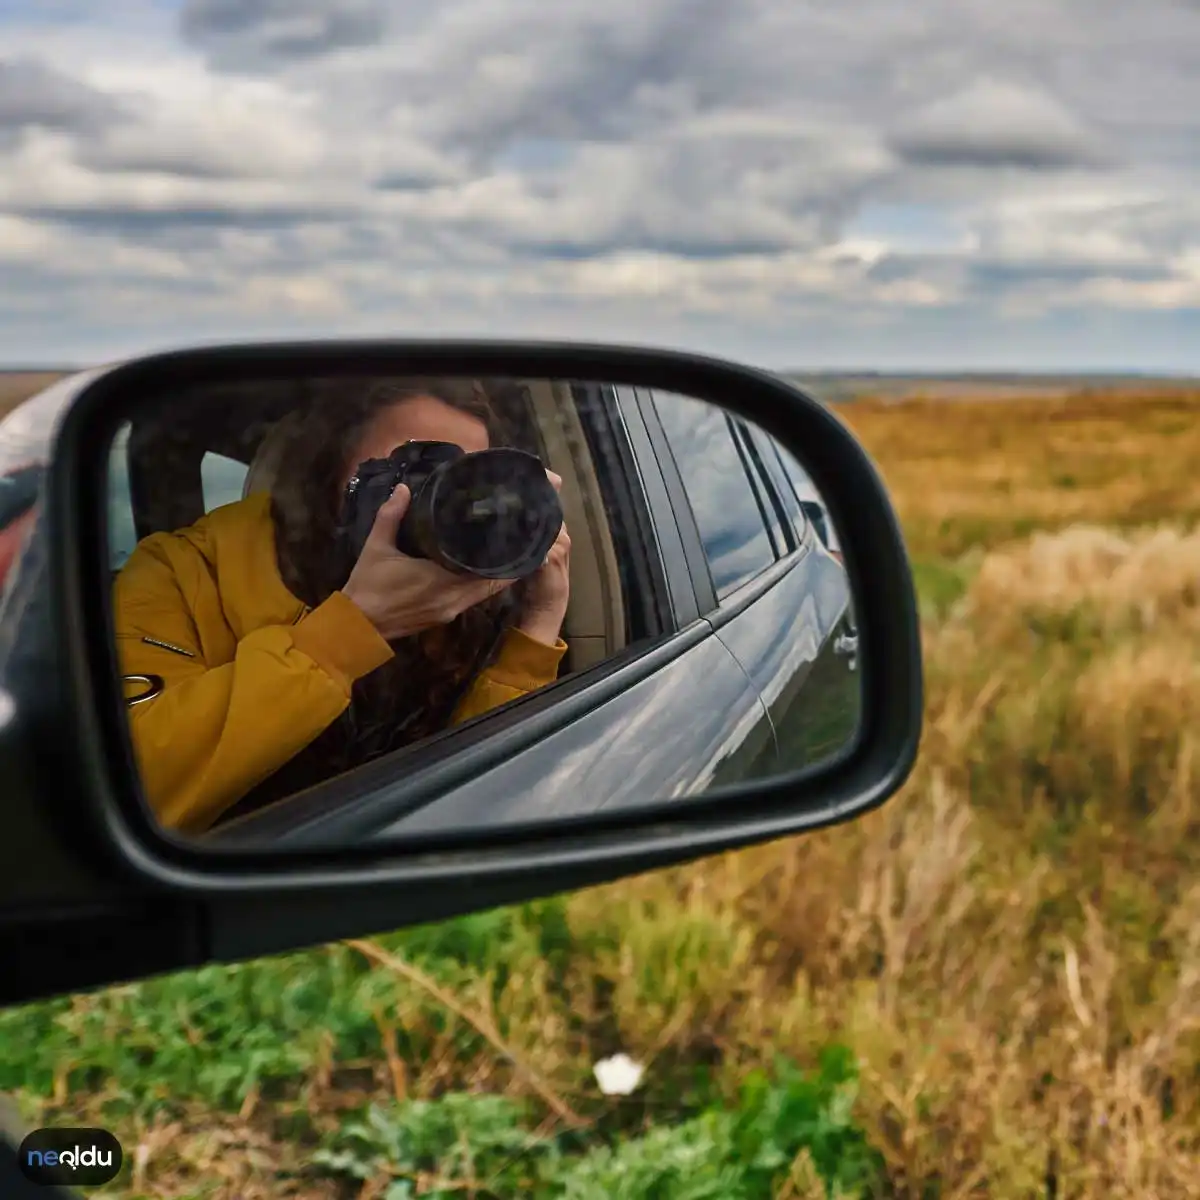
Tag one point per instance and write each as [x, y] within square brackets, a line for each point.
[785, 634]
[787, 641]
[696, 721]
[701, 721]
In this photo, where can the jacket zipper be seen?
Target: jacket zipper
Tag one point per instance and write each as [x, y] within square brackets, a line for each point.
[168, 646]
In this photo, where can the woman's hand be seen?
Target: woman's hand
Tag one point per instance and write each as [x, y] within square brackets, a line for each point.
[549, 588]
[400, 595]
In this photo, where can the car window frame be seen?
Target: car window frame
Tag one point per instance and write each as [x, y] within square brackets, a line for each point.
[782, 484]
[706, 590]
[761, 479]
[829, 539]
[629, 489]
[682, 515]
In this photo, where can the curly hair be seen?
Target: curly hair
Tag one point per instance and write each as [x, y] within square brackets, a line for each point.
[412, 695]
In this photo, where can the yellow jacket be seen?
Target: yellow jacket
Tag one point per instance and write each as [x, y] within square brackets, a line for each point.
[251, 675]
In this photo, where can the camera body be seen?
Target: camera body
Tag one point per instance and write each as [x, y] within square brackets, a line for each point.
[491, 513]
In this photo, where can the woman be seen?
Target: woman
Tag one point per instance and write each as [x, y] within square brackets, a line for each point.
[279, 669]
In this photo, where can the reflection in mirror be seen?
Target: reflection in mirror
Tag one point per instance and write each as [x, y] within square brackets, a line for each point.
[322, 586]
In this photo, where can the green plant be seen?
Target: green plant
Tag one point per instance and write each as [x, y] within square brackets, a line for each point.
[436, 1148]
[432, 1148]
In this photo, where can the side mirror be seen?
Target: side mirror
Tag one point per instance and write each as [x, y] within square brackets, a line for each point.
[701, 635]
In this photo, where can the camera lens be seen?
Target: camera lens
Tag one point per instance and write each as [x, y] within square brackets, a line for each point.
[495, 513]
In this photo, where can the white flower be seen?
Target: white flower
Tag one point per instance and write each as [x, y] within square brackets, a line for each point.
[619, 1075]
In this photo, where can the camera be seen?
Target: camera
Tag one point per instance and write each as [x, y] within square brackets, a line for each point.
[491, 513]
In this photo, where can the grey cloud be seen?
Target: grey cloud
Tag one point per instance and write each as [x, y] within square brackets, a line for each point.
[699, 152]
[698, 193]
[483, 76]
[406, 181]
[180, 160]
[990, 276]
[33, 94]
[990, 280]
[195, 150]
[995, 124]
[242, 33]
[141, 223]
[608, 76]
[664, 243]
[483, 72]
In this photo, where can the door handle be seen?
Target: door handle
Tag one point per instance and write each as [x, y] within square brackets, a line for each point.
[845, 645]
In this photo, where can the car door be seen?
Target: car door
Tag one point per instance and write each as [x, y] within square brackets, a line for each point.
[739, 541]
[671, 714]
[781, 603]
[819, 703]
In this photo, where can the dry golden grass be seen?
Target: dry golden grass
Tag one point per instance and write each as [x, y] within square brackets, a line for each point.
[1011, 946]
[973, 474]
[16, 386]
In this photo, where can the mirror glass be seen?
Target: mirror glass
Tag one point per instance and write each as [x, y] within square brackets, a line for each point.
[634, 594]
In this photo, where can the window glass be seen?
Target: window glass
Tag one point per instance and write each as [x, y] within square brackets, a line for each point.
[764, 488]
[223, 479]
[768, 455]
[122, 535]
[810, 499]
[728, 510]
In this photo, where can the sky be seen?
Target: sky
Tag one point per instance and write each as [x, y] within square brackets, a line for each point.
[868, 184]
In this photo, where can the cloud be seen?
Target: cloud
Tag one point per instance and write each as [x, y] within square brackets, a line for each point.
[995, 124]
[749, 178]
[241, 33]
[36, 95]
[192, 126]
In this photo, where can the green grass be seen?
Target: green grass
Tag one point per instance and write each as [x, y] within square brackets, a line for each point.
[208, 1041]
[740, 1153]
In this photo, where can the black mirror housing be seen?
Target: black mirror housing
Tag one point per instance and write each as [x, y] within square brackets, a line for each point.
[82, 856]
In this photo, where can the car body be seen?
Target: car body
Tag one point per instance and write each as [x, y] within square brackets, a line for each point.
[748, 654]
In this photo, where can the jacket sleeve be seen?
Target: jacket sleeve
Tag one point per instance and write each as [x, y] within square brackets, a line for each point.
[522, 666]
[216, 731]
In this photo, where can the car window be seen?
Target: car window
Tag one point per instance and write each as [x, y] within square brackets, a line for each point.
[729, 512]
[122, 533]
[621, 502]
[788, 520]
[222, 478]
[810, 499]
[771, 454]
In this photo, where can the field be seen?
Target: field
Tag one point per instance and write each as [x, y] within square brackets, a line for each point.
[16, 385]
[990, 988]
